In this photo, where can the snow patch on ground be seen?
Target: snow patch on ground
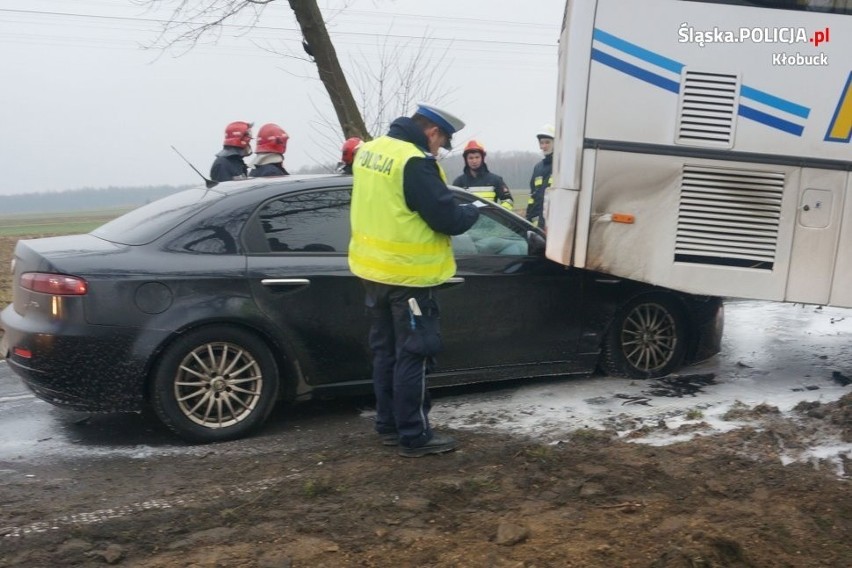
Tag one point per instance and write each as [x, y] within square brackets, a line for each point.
[777, 355]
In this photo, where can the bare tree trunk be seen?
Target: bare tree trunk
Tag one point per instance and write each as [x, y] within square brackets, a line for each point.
[330, 73]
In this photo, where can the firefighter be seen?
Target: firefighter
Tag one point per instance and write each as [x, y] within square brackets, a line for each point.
[479, 180]
[271, 145]
[229, 164]
[541, 176]
[347, 155]
[402, 217]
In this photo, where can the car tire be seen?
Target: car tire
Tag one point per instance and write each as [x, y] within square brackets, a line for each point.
[647, 338]
[214, 384]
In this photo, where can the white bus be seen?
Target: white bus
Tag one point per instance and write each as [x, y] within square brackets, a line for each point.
[705, 146]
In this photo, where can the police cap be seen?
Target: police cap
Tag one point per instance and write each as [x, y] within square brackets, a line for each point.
[447, 122]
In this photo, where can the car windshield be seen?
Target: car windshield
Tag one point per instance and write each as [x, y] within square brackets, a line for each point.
[150, 221]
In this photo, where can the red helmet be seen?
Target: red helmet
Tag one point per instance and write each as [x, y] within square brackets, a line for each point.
[349, 148]
[238, 134]
[473, 146]
[272, 139]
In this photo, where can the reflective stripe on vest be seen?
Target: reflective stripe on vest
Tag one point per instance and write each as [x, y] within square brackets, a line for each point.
[390, 243]
[484, 192]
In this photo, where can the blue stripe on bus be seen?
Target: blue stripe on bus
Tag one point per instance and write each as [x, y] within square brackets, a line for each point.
[638, 52]
[674, 86]
[635, 71]
[773, 101]
[769, 120]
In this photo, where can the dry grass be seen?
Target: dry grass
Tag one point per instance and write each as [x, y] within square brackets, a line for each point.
[7, 249]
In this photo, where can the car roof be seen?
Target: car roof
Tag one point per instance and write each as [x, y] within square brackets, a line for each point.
[277, 184]
[265, 187]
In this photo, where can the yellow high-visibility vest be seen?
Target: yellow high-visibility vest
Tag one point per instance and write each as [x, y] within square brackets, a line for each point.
[390, 243]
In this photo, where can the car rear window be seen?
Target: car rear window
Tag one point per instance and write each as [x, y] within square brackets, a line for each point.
[151, 221]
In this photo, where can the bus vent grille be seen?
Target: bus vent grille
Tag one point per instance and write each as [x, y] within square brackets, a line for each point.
[729, 217]
[707, 109]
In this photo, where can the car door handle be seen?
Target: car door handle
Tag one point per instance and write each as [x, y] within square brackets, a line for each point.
[285, 282]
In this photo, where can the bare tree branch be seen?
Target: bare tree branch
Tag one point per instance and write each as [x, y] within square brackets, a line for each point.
[191, 20]
[386, 86]
[389, 85]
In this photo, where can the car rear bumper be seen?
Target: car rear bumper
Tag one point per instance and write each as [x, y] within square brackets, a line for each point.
[82, 367]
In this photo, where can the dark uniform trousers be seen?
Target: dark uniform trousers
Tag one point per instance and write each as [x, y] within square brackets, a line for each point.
[404, 346]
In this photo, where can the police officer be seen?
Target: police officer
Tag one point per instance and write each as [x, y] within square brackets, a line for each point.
[480, 180]
[229, 164]
[347, 155]
[271, 145]
[541, 176]
[402, 217]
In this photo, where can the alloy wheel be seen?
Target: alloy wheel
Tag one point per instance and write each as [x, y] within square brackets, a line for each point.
[649, 337]
[218, 384]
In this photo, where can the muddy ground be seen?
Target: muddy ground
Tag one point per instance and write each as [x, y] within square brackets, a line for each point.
[332, 496]
[324, 493]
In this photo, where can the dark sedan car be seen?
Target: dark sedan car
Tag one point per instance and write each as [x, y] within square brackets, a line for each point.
[211, 304]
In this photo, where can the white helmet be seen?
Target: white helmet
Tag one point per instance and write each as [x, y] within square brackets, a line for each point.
[546, 131]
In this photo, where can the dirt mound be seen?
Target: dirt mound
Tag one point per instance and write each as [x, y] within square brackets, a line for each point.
[593, 500]
[838, 413]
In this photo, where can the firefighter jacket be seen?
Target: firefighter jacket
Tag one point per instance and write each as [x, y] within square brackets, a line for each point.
[540, 180]
[229, 165]
[402, 213]
[486, 185]
[268, 170]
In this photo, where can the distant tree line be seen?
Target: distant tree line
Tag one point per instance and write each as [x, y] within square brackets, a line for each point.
[515, 167]
[84, 199]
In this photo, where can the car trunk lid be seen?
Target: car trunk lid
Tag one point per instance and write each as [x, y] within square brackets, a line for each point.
[52, 255]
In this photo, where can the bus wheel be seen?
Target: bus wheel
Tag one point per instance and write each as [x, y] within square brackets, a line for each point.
[646, 339]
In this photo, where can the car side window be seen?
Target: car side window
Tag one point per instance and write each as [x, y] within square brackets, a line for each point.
[489, 236]
[314, 221]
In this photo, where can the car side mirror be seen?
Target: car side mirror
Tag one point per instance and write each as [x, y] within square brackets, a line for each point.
[536, 243]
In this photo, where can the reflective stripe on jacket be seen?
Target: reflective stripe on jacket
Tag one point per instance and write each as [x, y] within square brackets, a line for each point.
[541, 179]
[484, 192]
[486, 185]
[390, 243]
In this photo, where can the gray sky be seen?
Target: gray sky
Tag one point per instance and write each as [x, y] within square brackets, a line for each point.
[83, 105]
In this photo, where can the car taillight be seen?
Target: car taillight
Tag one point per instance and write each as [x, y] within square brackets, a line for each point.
[22, 352]
[56, 284]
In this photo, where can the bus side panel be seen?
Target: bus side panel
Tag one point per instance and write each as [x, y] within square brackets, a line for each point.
[841, 285]
[649, 187]
[644, 52]
[817, 227]
[732, 161]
